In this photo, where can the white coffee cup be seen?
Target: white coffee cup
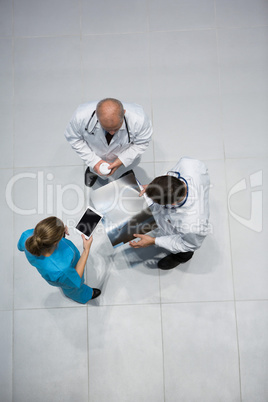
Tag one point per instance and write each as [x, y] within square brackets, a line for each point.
[104, 170]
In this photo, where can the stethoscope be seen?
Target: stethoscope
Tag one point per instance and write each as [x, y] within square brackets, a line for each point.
[91, 132]
[177, 174]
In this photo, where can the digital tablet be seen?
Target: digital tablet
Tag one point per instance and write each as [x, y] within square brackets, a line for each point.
[88, 222]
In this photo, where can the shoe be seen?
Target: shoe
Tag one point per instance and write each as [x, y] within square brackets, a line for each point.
[90, 178]
[168, 262]
[96, 293]
[172, 260]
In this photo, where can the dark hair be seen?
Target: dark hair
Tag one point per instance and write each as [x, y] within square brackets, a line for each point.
[46, 233]
[166, 190]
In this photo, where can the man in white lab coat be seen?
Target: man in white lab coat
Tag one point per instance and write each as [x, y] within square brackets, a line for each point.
[181, 210]
[108, 131]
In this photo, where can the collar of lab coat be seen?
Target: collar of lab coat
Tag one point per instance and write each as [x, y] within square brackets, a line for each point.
[99, 127]
[102, 134]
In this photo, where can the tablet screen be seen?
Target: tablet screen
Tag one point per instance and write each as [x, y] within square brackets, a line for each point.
[88, 222]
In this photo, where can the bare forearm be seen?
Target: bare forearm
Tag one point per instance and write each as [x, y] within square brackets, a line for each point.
[80, 266]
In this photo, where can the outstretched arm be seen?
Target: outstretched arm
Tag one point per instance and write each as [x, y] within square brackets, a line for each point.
[80, 266]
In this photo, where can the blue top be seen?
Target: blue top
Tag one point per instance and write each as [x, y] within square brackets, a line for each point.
[59, 268]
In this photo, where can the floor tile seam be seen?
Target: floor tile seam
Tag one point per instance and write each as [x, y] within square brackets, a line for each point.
[242, 27]
[257, 157]
[238, 352]
[128, 305]
[137, 304]
[155, 161]
[88, 360]
[143, 163]
[140, 32]
[13, 214]
[190, 29]
[163, 353]
[85, 35]
[6, 168]
[162, 335]
[233, 283]
[204, 29]
[245, 158]
[250, 300]
[49, 308]
[150, 80]
[220, 89]
[73, 35]
[175, 161]
[44, 167]
[115, 34]
[81, 53]
[197, 302]
[216, 27]
[132, 305]
[52, 36]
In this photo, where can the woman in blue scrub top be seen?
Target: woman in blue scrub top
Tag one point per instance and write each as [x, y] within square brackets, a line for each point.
[57, 259]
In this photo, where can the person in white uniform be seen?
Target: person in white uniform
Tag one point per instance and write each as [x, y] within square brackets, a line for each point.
[181, 210]
[109, 132]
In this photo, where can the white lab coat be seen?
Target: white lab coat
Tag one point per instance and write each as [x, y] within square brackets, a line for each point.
[184, 229]
[91, 145]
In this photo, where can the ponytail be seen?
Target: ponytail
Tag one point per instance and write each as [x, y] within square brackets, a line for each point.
[46, 234]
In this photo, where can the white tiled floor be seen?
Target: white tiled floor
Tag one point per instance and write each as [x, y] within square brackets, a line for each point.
[198, 332]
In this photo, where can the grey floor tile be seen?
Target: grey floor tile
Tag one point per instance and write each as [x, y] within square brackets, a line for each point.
[47, 91]
[6, 353]
[125, 354]
[39, 18]
[6, 18]
[43, 66]
[243, 74]
[6, 77]
[241, 13]
[148, 155]
[130, 278]
[200, 352]
[96, 17]
[185, 95]
[178, 15]
[144, 172]
[120, 62]
[248, 195]
[6, 99]
[6, 241]
[252, 320]
[6, 151]
[50, 355]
